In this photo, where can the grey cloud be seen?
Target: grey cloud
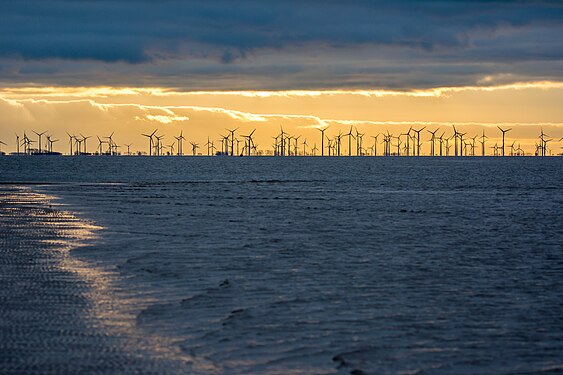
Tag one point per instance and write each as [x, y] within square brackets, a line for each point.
[266, 42]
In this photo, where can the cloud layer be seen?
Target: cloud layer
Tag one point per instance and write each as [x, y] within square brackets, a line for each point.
[223, 44]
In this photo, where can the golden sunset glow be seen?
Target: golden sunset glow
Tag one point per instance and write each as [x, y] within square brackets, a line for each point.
[528, 108]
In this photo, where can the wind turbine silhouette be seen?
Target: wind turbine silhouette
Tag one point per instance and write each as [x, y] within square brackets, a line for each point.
[232, 140]
[322, 140]
[85, 139]
[2, 143]
[399, 145]
[208, 145]
[432, 141]
[375, 143]
[77, 146]
[194, 148]
[249, 142]
[296, 145]
[17, 143]
[408, 147]
[159, 144]
[418, 139]
[482, 140]
[512, 148]
[50, 143]
[100, 143]
[338, 142]
[180, 140]
[350, 135]
[129, 148]
[171, 147]
[238, 145]
[543, 143]
[70, 139]
[359, 142]
[503, 133]
[441, 140]
[149, 136]
[39, 135]
[111, 144]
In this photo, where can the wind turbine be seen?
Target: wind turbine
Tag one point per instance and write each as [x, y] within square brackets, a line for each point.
[375, 143]
[232, 140]
[296, 145]
[181, 139]
[283, 139]
[408, 147]
[441, 140]
[432, 141]
[504, 131]
[50, 143]
[482, 140]
[249, 142]
[26, 144]
[194, 147]
[158, 144]
[238, 145]
[171, 147]
[111, 144]
[418, 139]
[350, 135]
[461, 143]
[149, 136]
[85, 139]
[2, 143]
[39, 135]
[18, 143]
[543, 143]
[359, 142]
[399, 145]
[78, 145]
[323, 140]
[208, 145]
[129, 148]
[512, 148]
[100, 143]
[386, 141]
[70, 141]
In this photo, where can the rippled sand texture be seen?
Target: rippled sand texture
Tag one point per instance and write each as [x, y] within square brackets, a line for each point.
[56, 313]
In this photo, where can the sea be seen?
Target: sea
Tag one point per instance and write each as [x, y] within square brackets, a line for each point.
[272, 265]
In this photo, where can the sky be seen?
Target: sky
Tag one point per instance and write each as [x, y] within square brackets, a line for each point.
[132, 66]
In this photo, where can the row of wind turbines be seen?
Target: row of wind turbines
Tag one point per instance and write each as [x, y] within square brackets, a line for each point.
[284, 144]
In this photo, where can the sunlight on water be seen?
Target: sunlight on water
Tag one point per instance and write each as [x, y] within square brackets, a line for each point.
[109, 311]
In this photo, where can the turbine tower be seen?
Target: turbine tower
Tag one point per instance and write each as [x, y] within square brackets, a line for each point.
[504, 131]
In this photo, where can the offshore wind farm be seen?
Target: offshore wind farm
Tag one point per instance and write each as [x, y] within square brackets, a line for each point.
[286, 144]
[281, 187]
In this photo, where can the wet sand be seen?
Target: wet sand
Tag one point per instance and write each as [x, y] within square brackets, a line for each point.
[57, 313]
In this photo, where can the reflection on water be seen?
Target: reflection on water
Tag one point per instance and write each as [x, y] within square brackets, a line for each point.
[34, 224]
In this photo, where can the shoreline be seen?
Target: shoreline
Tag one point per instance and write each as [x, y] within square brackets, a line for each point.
[61, 314]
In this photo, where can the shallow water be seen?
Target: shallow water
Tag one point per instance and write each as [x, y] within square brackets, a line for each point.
[328, 265]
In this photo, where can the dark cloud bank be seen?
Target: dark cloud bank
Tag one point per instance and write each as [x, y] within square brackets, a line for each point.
[275, 44]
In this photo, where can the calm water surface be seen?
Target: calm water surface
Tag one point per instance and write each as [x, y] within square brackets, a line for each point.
[328, 265]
